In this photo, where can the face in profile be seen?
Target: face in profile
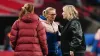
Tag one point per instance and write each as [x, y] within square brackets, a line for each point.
[69, 12]
[64, 13]
[51, 15]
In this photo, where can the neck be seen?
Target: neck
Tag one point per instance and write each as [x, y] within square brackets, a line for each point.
[49, 21]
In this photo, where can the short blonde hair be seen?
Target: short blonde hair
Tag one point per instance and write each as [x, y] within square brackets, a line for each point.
[48, 9]
[72, 12]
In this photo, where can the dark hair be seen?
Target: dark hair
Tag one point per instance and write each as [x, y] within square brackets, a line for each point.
[27, 8]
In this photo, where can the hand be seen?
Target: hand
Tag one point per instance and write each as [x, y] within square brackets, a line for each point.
[59, 42]
[71, 53]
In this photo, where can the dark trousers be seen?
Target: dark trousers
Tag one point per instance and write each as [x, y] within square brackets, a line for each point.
[65, 54]
[52, 54]
[79, 54]
[76, 54]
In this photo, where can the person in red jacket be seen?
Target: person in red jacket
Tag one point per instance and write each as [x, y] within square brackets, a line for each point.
[28, 36]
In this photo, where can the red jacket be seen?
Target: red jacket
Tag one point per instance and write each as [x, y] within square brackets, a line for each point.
[30, 35]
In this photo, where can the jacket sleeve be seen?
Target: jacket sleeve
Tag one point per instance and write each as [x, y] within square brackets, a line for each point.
[42, 38]
[76, 35]
[13, 34]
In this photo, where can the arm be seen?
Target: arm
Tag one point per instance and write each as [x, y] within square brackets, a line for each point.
[13, 34]
[42, 38]
[77, 35]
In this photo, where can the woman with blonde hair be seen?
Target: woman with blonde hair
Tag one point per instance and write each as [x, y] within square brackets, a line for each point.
[28, 36]
[72, 38]
[51, 30]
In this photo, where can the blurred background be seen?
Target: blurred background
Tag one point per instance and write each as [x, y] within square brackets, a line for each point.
[89, 13]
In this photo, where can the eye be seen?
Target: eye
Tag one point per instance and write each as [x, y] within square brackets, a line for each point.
[52, 14]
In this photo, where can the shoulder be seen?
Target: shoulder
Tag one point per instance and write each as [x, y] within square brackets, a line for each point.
[41, 20]
[57, 23]
[75, 22]
[16, 21]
